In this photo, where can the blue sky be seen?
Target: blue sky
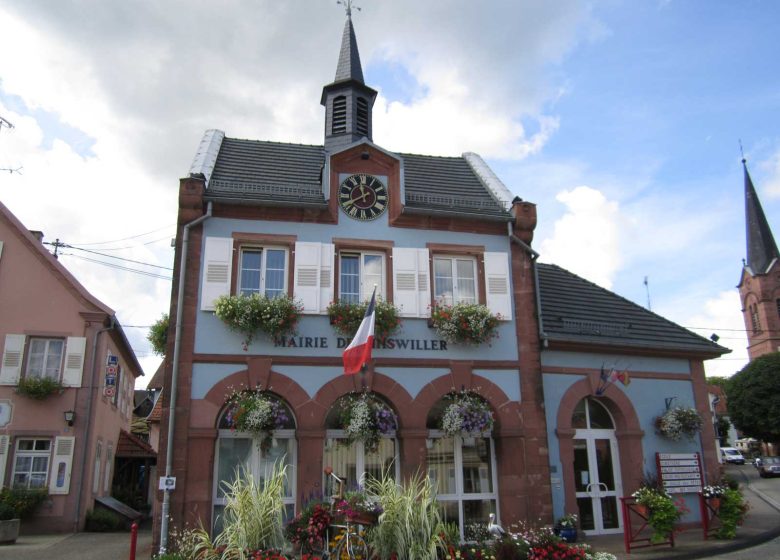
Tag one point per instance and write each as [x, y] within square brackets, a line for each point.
[619, 119]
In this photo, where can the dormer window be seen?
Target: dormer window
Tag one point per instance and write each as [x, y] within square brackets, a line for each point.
[362, 116]
[339, 125]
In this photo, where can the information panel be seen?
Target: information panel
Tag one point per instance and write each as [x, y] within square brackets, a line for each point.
[680, 473]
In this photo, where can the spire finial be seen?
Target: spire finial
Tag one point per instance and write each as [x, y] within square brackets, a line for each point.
[348, 7]
[741, 151]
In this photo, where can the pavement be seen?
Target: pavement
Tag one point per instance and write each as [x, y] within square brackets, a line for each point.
[757, 539]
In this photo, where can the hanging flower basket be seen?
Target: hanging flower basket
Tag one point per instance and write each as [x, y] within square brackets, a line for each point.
[258, 413]
[465, 323]
[366, 418]
[466, 413]
[678, 422]
[346, 317]
[249, 314]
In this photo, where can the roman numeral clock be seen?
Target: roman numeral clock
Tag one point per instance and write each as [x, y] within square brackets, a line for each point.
[363, 197]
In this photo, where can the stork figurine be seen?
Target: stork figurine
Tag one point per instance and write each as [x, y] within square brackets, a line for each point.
[496, 530]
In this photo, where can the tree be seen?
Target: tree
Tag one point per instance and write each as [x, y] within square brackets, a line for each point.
[158, 335]
[753, 398]
[722, 424]
[717, 381]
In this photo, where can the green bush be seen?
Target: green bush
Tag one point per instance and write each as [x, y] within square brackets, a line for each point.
[731, 513]
[158, 335]
[102, 521]
[24, 501]
[38, 388]
[6, 512]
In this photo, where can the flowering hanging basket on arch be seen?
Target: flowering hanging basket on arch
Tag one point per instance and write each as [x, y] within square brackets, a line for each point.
[366, 418]
[258, 413]
[466, 413]
[679, 422]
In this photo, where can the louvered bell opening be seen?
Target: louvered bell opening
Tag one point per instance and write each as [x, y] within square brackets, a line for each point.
[362, 116]
[339, 115]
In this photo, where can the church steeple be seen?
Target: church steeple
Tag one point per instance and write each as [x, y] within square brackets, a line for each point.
[761, 246]
[348, 100]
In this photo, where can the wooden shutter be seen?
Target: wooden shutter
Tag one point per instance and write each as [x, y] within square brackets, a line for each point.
[411, 282]
[499, 296]
[11, 366]
[74, 361]
[313, 278]
[4, 441]
[217, 268]
[61, 465]
[327, 270]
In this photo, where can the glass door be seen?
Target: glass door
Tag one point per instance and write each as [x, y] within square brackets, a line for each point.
[597, 481]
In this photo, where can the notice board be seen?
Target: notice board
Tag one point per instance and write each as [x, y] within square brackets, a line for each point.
[680, 473]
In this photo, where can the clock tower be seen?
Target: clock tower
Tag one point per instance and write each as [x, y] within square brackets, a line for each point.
[348, 100]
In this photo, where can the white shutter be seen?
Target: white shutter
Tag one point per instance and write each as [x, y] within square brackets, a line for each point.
[499, 297]
[61, 465]
[217, 267]
[3, 457]
[411, 284]
[74, 361]
[327, 260]
[307, 281]
[11, 367]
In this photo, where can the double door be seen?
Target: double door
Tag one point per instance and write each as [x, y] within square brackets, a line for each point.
[597, 481]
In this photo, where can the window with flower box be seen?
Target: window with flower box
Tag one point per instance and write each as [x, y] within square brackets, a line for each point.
[263, 271]
[57, 358]
[239, 452]
[455, 280]
[359, 272]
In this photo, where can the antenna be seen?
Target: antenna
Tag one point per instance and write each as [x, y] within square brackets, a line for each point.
[741, 151]
[348, 6]
[5, 123]
[647, 289]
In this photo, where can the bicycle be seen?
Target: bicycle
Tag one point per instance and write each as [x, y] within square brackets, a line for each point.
[349, 543]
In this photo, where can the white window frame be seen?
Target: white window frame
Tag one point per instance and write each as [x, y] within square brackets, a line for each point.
[32, 453]
[365, 290]
[360, 458]
[47, 340]
[456, 297]
[254, 462]
[263, 250]
[459, 496]
[96, 474]
[109, 465]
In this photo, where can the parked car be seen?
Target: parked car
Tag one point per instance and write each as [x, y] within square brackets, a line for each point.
[768, 466]
[732, 455]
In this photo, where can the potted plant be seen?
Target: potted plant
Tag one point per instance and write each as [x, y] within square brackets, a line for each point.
[356, 507]
[39, 388]
[712, 495]
[9, 524]
[678, 422]
[346, 318]
[247, 315]
[366, 418]
[467, 414]
[566, 527]
[465, 323]
[662, 512]
[256, 412]
[307, 531]
[731, 512]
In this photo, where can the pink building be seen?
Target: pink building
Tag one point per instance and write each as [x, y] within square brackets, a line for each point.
[52, 328]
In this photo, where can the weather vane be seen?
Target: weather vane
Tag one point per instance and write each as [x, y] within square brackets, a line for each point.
[348, 6]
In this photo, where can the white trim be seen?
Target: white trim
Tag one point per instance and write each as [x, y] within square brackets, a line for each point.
[263, 249]
[206, 155]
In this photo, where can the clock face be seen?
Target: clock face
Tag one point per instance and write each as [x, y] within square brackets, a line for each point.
[362, 197]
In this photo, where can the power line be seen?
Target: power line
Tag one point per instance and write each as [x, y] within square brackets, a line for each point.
[118, 267]
[126, 238]
[133, 246]
[57, 244]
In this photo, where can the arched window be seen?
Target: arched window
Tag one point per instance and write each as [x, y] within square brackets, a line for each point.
[589, 414]
[352, 458]
[239, 452]
[754, 318]
[339, 118]
[362, 116]
[463, 468]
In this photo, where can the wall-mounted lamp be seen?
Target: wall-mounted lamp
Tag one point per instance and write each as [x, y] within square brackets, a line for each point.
[70, 417]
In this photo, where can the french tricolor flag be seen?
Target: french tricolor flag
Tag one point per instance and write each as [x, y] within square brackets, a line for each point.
[359, 350]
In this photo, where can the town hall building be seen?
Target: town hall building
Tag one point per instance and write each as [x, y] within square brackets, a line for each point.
[334, 222]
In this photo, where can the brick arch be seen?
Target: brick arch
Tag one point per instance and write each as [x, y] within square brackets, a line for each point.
[507, 412]
[628, 432]
[275, 382]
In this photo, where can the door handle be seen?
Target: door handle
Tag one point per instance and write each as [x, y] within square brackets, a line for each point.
[606, 488]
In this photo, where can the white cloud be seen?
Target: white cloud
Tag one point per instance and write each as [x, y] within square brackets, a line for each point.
[586, 239]
[771, 185]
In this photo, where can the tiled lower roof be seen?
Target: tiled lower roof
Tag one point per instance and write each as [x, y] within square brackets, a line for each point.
[578, 311]
[130, 446]
[278, 173]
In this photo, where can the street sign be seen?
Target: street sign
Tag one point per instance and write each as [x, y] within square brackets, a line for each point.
[680, 473]
[168, 483]
[109, 391]
[112, 360]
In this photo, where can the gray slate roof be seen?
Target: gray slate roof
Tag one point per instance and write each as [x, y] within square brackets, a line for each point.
[348, 67]
[277, 173]
[576, 310]
[761, 246]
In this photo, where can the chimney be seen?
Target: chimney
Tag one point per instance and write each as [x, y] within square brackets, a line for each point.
[37, 235]
[525, 219]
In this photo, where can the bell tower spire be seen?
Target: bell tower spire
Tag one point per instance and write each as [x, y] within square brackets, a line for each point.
[758, 287]
[348, 100]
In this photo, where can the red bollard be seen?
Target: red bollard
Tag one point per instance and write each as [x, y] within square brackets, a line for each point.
[133, 539]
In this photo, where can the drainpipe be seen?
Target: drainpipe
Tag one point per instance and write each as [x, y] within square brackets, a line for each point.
[90, 398]
[166, 505]
[534, 255]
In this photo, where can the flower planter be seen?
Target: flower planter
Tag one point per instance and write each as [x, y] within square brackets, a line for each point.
[363, 518]
[9, 531]
[642, 510]
[568, 534]
[714, 503]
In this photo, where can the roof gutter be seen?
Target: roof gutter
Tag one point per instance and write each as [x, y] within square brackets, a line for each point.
[91, 396]
[534, 255]
[456, 214]
[166, 505]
